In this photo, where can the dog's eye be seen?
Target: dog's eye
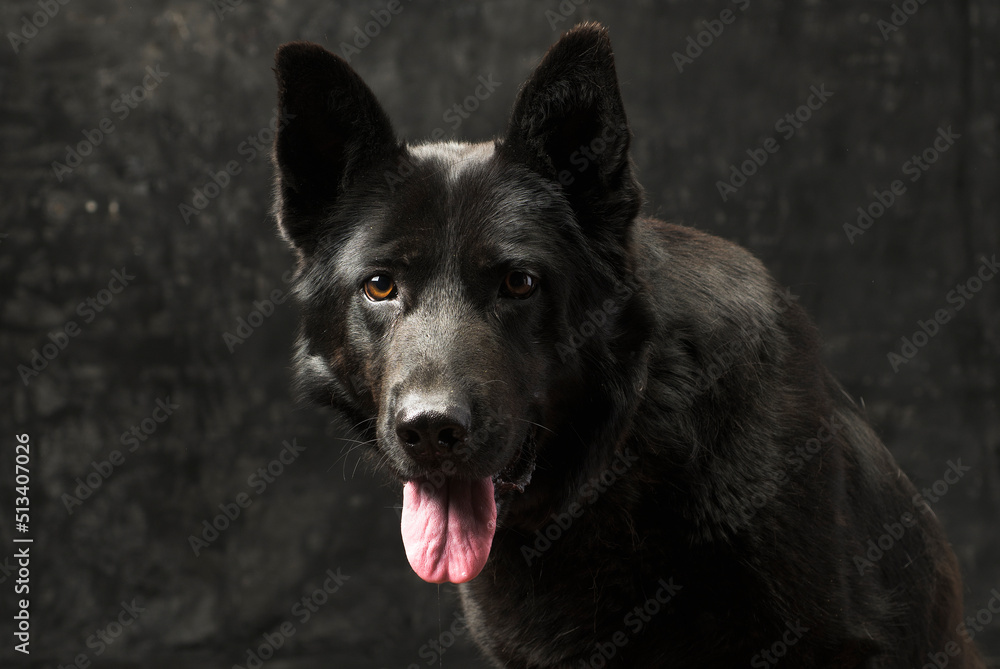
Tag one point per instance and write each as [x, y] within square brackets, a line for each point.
[518, 284]
[380, 287]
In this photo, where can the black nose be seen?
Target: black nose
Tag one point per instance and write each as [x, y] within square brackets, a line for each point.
[431, 430]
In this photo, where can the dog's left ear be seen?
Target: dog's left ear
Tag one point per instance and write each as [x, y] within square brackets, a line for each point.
[569, 125]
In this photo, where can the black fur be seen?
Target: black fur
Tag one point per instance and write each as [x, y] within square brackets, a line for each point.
[656, 417]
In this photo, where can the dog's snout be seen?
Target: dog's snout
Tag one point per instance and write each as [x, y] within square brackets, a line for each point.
[431, 429]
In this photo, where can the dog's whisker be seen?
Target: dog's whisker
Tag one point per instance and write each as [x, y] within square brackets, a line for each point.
[538, 425]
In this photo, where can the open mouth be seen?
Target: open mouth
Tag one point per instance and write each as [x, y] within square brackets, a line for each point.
[448, 523]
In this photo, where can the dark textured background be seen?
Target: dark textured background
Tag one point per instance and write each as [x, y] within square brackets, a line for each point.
[162, 336]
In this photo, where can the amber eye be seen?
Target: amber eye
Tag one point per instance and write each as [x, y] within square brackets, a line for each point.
[518, 284]
[380, 287]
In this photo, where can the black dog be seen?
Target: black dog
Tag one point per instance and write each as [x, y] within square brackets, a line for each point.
[612, 430]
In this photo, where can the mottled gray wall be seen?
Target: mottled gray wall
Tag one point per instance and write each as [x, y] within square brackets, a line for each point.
[161, 338]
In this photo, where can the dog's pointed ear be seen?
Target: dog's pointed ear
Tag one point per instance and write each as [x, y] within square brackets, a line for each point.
[333, 128]
[569, 124]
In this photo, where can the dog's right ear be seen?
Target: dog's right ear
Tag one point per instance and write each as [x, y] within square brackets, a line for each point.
[332, 129]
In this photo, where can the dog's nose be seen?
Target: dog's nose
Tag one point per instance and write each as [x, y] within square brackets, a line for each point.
[431, 429]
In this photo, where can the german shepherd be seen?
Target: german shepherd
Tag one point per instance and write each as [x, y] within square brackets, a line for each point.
[614, 432]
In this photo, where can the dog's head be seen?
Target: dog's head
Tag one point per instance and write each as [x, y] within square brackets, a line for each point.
[453, 295]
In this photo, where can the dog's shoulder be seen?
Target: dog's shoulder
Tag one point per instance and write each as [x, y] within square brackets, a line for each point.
[702, 281]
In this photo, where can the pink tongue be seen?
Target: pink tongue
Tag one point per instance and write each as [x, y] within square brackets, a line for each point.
[448, 529]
